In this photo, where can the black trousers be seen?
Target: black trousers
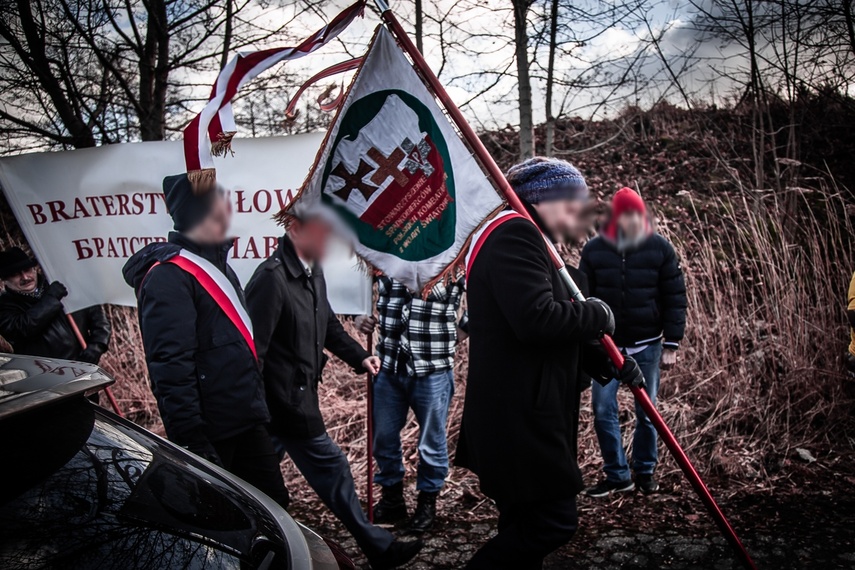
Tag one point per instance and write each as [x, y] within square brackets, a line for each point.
[251, 456]
[527, 534]
[327, 471]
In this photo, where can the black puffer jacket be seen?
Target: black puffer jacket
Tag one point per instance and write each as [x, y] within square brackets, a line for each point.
[39, 327]
[644, 286]
[203, 373]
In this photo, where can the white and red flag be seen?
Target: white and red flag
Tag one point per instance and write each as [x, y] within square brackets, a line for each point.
[395, 174]
[211, 131]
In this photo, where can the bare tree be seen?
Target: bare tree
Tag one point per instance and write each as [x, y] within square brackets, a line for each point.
[419, 26]
[76, 73]
[521, 45]
[549, 142]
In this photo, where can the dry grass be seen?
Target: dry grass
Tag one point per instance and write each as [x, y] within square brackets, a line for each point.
[760, 370]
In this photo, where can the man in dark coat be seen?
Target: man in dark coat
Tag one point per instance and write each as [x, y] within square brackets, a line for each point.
[203, 371]
[636, 271]
[33, 320]
[294, 323]
[529, 341]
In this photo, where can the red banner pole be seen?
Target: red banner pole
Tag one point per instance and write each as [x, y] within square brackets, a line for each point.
[611, 349]
[370, 431]
[113, 403]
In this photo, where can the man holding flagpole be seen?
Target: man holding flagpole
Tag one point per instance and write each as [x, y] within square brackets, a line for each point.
[198, 340]
[528, 345]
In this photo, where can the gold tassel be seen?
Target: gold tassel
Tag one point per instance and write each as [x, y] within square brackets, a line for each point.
[223, 144]
[202, 181]
[285, 218]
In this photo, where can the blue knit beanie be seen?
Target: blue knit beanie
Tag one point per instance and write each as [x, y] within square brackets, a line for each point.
[542, 179]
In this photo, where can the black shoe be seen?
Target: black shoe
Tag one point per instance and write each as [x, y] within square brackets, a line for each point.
[391, 508]
[424, 515]
[605, 488]
[398, 554]
[646, 484]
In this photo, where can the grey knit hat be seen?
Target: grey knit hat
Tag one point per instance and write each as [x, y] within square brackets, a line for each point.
[542, 179]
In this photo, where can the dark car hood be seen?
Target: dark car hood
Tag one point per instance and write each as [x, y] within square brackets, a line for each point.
[119, 498]
[28, 382]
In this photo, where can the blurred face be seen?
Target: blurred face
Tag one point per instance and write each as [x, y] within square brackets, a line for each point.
[310, 238]
[631, 224]
[214, 228]
[562, 217]
[25, 281]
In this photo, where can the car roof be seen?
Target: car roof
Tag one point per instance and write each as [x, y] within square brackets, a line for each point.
[28, 382]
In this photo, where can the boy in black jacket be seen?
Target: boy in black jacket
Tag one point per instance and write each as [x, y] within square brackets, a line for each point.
[198, 340]
[636, 272]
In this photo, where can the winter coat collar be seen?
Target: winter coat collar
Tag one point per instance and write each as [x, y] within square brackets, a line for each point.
[216, 254]
[612, 236]
[290, 260]
[35, 295]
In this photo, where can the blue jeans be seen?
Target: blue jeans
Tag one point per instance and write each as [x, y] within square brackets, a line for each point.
[607, 423]
[429, 397]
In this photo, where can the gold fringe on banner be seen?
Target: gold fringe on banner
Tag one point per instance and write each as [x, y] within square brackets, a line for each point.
[223, 144]
[284, 217]
[202, 181]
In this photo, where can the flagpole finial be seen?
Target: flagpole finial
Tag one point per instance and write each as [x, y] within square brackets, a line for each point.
[382, 5]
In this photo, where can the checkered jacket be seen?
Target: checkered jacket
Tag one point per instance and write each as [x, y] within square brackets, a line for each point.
[418, 337]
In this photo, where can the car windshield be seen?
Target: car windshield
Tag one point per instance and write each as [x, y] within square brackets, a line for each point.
[120, 499]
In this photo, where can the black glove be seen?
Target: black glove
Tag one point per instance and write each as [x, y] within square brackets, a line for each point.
[609, 329]
[205, 450]
[91, 354]
[630, 374]
[56, 290]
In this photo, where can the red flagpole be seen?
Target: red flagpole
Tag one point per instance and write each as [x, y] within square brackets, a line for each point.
[614, 354]
[369, 378]
[113, 403]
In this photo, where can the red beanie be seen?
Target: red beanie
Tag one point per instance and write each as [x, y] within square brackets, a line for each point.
[627, 200]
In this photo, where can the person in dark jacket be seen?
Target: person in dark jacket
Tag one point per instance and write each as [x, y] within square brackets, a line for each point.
[33, 320]
[528, 344]
[203, 372]
[636, 271]
[294, 323]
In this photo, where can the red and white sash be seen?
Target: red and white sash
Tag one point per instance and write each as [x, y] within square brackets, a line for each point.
[481, 235]
[220, 288]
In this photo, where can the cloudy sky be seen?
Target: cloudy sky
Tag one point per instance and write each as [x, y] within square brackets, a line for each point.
[606, 59]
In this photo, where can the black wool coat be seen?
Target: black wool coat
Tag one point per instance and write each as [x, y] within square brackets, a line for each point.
[203, 374]
[39, 327]
[644, 287]
[527, 345]
[293, 324]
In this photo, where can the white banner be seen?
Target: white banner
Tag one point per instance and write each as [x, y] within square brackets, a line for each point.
[86, 211]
